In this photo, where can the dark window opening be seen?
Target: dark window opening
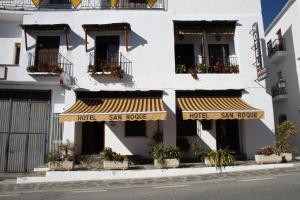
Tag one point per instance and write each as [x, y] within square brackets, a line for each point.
[59, 1]
[17, 53]
[206, 124]
[47, 50]
[185, 127]
[184, 55]
[135, 128]
[282, 118]
[107, 52]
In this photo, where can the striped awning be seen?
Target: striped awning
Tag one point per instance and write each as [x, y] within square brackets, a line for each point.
[217, 108]
[115, 109]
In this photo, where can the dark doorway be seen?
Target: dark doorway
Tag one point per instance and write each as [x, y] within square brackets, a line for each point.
[217, 53]
[184, 55]
[228, 135]
[47, 49]
[107, 51]
[92, 137]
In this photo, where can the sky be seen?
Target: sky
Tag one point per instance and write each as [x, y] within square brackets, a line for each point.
[270, 9]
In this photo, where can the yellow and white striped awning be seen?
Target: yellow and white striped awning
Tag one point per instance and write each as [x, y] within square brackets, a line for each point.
[115, 109]
[217, 108]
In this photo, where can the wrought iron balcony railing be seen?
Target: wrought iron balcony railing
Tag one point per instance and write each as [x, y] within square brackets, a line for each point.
[212, 64]
[276, 45]
[49, 62]
[279, 88]
[114, 65]
[85, 4]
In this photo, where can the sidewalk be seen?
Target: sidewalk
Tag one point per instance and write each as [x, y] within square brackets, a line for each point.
[67, 176]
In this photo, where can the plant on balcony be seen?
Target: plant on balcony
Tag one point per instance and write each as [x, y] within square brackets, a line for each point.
[268, 155]
[117, 72]
[31, 68]
[180, 68]
[285, 133]
[200, 68]
[92, 69]
[112, 160]
[55, 68]
[219, 158]
[43, 67]
[193, 73]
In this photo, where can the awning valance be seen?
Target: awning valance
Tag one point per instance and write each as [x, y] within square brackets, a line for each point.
[115, 109]
[214, 108]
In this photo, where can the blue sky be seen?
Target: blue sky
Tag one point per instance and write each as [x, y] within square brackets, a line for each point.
[270, 8]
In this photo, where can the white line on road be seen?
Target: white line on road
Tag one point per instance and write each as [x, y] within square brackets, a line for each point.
[88, 191]
[171, 186]
[257, 179]
[9, 195]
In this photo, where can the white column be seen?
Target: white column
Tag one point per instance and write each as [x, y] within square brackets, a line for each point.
[169, 127]
[69, 127]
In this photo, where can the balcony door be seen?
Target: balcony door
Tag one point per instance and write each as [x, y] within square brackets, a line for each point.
[107, 52]
[47, 50]
[228, 135]
[184, 54]
[218, 52]
[92, 137]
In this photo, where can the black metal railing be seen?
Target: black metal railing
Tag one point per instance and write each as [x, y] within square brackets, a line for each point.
[211, 64]
[279, 88]
[108, 65]
[276, 45]
[51, 62]
[85, 4]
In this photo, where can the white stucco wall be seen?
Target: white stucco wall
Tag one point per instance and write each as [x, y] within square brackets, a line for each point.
[288, 21]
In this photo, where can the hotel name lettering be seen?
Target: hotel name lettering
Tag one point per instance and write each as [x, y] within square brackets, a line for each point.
[113, 117]
[224, 115]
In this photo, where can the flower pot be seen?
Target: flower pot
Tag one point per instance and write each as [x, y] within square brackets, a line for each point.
[115, 164]
[265, 159]
[286, 157]
[68, 165]
[209, 162]
[167, 163]
[55, 166]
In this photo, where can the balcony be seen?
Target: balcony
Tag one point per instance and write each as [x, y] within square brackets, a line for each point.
[48, 64]
[276, 50]
[215, 65]
[279, 91]
[84, 5]
[115, 66]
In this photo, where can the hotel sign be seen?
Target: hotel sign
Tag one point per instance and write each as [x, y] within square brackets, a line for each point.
[222, 115]
[261, 70]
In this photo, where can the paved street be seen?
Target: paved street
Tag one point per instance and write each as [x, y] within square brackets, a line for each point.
[268, 184]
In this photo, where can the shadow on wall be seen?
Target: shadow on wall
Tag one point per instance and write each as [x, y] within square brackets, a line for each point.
[126, 81]
[75, 40]
[10, 30]
[135, 41]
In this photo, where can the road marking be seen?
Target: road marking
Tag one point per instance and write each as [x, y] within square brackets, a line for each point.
[171, 186]
[88, 191]
[9, 195]
[257, 179]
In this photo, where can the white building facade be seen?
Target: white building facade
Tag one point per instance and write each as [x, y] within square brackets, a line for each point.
[105, 63]
[284, 55]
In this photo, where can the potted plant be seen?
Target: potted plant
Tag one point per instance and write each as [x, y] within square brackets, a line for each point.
[180, 68]
[67, 149]
[193, 72]
[199, 151]
[286, 131]
[166, 157]
[55, 68]
[31, 68]
[200, 68]
[55, 160]
[112, 160]
[267, 155]
[117, 72]
[219, 158]
[43, 67]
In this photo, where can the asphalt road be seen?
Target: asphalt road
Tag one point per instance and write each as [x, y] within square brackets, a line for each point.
[262, 186]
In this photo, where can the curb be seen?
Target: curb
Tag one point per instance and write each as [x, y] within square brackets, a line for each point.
[67, 176]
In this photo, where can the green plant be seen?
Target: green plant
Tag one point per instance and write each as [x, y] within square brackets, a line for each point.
[109, 155]
[31, 68]
[55, 156]
[286, 131]
[267, 151]
[55, 68]
[200, 68]
[180, 68]
[183, 144]
[117, 72]
[67, 148]
[173, 153]
[193, 72]
[200, 152]
[221, 157]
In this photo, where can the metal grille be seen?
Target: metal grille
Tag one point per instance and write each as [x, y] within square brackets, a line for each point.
[56, 130]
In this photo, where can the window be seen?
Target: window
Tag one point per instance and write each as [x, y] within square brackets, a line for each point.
[185, 127]
[282, 118]
[59, 2]
[47, 49]
[184, 55]
[17, 53]
[135, 128]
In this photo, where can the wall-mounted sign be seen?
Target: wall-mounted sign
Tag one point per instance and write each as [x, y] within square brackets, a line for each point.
[261, 70]
[3, 71]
